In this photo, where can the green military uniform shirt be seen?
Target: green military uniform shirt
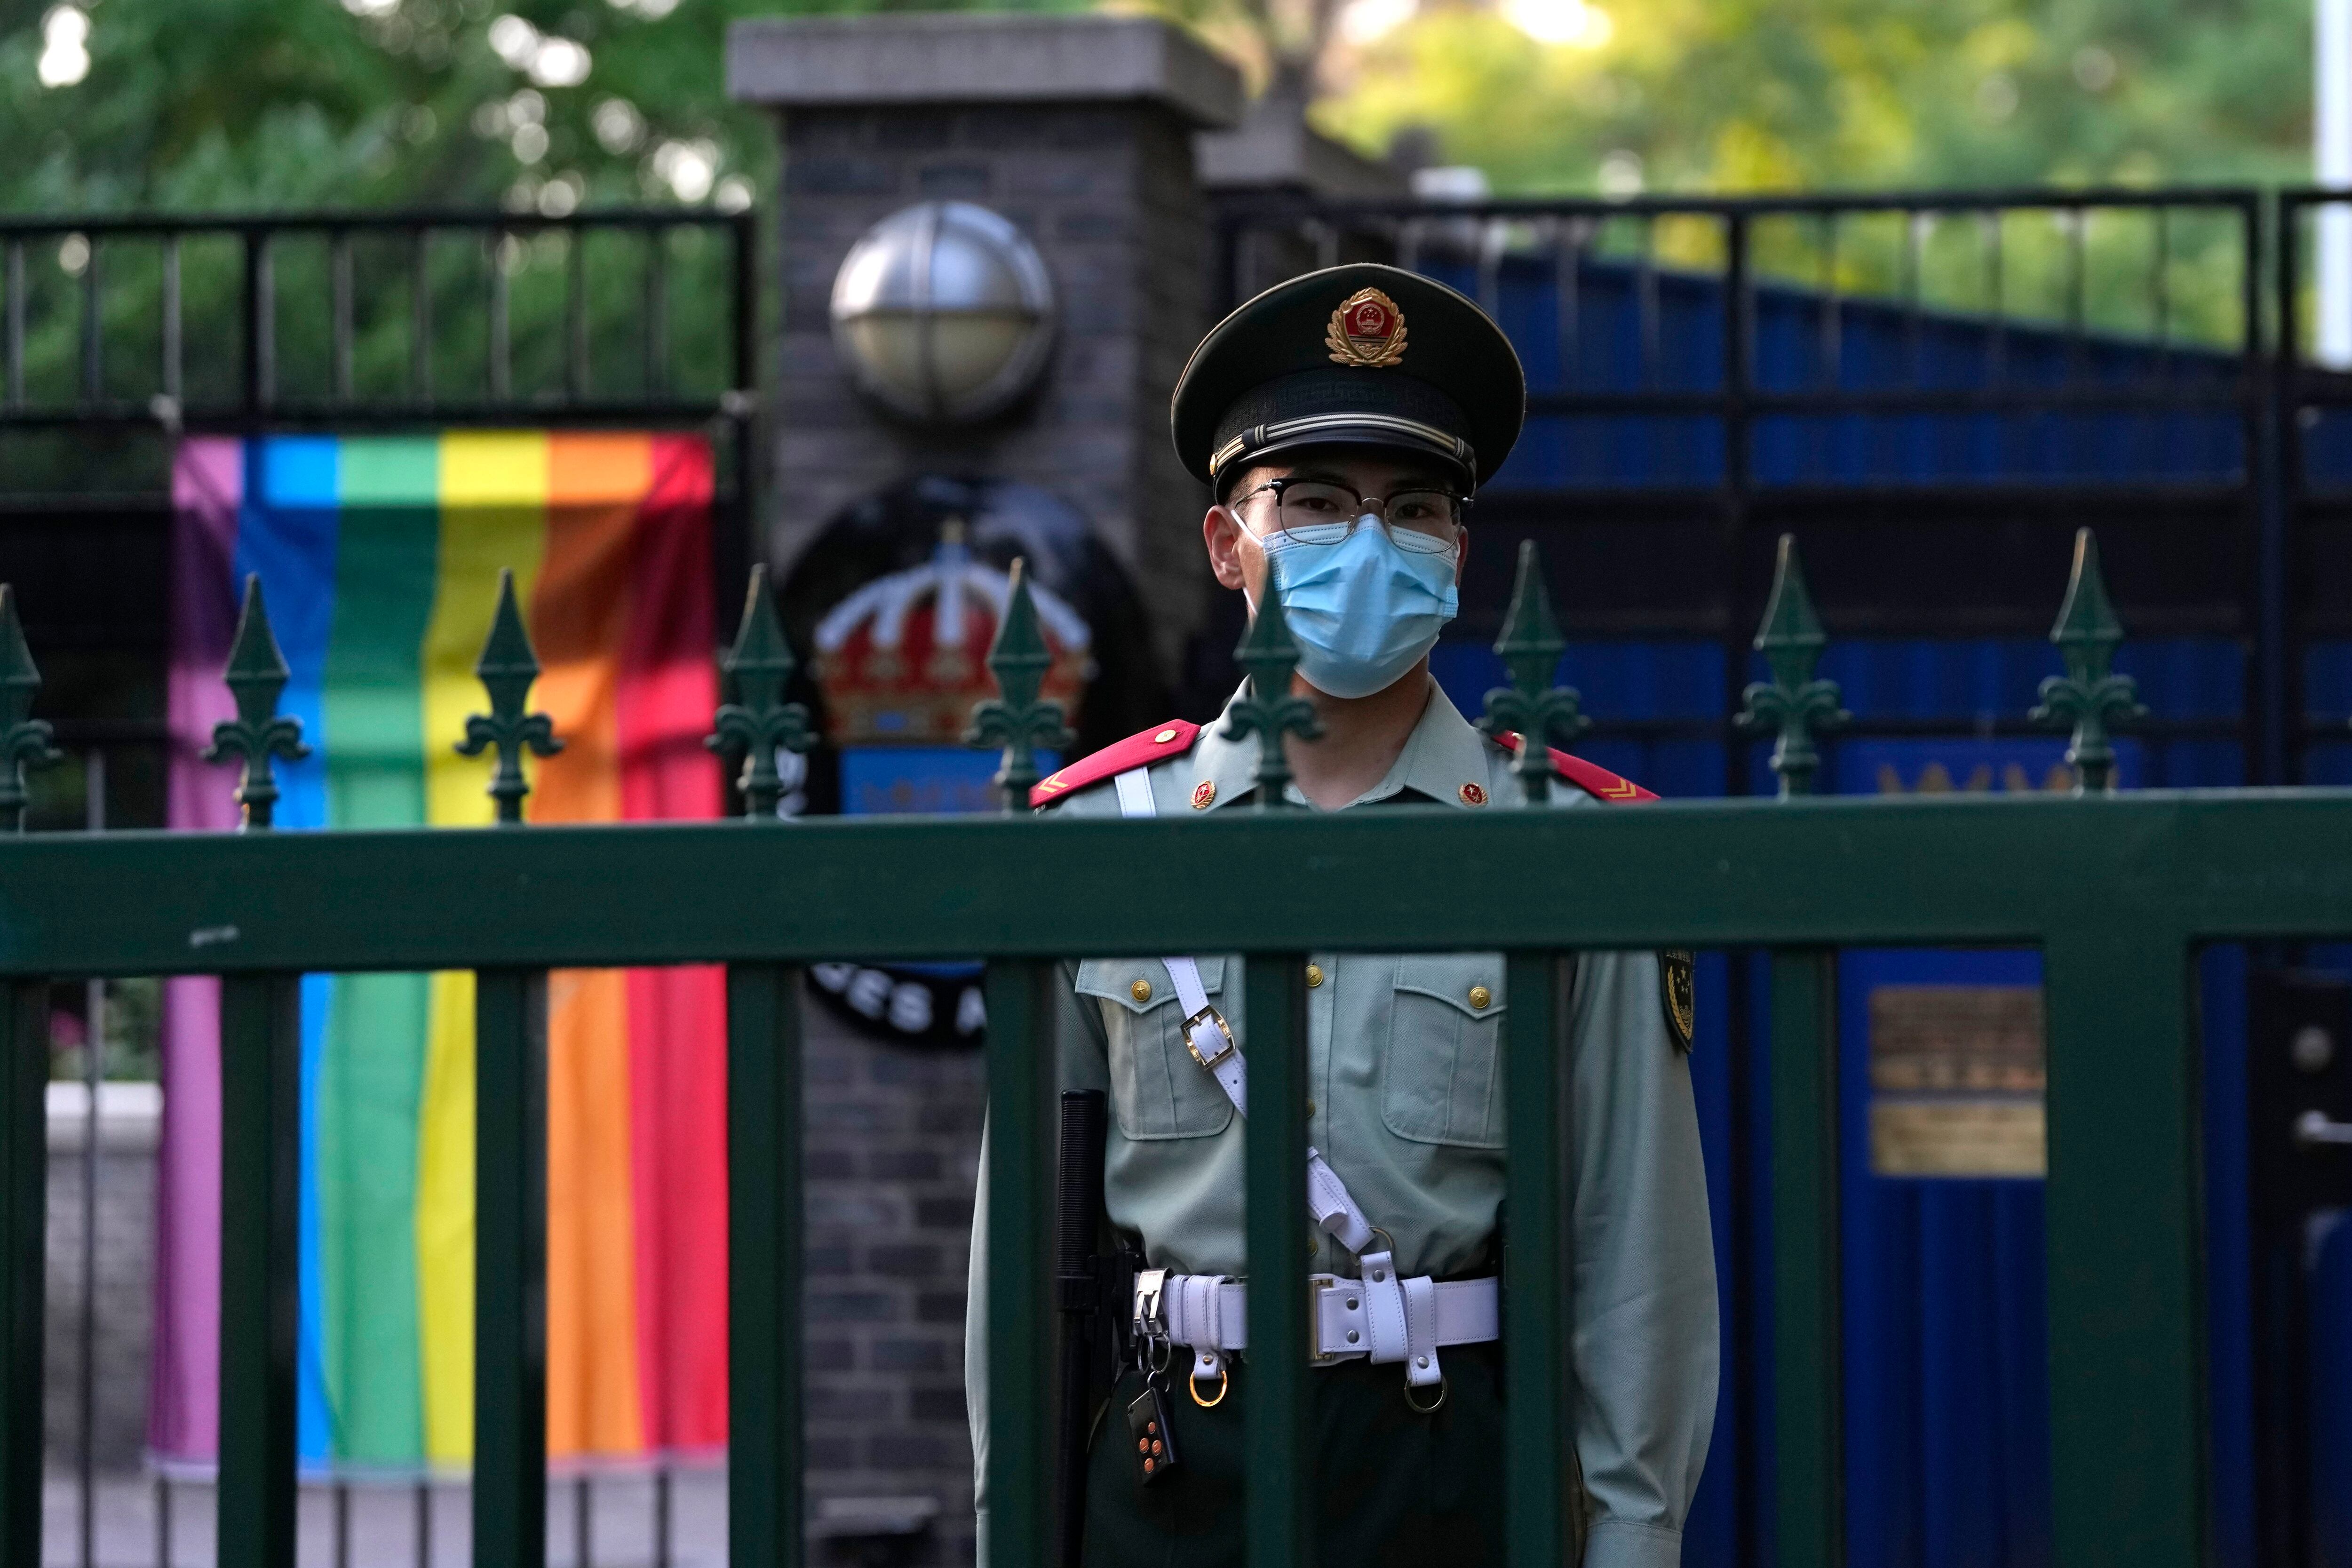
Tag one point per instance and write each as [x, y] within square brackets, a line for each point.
[1405, 1092]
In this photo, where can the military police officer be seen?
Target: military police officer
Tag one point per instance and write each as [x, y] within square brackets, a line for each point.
[1343, 421]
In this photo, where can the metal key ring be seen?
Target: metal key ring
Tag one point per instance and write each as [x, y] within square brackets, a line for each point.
[1432, 1407]
[1224, 1382]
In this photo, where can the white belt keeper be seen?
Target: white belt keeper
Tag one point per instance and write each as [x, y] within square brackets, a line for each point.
[1402, 1317]
[1198, 1297]
[1403, 1313]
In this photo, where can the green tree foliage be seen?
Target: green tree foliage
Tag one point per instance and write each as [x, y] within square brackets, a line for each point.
[208, 104]
[212, 105]
[1689, 95]
[1703, 96]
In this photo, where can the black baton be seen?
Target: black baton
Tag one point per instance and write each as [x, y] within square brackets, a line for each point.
[1077, 1217]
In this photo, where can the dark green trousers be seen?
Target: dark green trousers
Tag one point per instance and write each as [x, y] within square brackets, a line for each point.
[1393, 1488]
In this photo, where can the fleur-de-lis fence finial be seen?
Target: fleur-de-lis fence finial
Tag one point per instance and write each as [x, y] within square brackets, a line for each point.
[1015, 718]
[256, 673]
[507, 670]
[24, 739]
[1539, 712]
[1268, 654]
[1792, 702]
[2089, 698]
[760, 722]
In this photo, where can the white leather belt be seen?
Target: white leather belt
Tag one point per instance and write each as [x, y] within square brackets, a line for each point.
[1400, 1319]
[1210, 1314]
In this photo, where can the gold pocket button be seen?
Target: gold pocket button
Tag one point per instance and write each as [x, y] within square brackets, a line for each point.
[1313, 975]
[1141, 991]
[1479, 997]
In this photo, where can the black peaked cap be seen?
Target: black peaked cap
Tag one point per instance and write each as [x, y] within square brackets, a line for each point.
[1356, 355]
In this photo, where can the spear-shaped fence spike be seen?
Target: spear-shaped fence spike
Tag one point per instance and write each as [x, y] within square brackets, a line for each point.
[2087, 618]
[1792, 704]
[759, 722]
[2089, 698]
[1015, 719]
[256, 674]
[1532, 709]
[1790, 637]
[24, 739]
[1269, 655]
[506, 669]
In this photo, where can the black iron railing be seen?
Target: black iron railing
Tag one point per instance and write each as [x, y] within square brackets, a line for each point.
[366, 319]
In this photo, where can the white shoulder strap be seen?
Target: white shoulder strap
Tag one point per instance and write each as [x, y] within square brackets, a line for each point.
[1212, 1045]
[1206, 1034]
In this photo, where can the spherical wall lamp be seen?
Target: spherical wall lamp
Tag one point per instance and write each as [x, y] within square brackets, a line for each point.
[943, 312]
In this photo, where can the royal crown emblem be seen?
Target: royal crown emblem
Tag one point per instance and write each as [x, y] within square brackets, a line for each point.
[1367, 331]
[902, 660]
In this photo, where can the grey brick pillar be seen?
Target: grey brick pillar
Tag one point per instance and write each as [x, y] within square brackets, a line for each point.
[1079, 129]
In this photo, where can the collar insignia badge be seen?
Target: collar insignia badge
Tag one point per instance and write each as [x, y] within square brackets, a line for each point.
[1366, 331]
[1473, 794]
[1202, 794]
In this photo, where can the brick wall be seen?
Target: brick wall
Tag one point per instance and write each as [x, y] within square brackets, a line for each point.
[893, 1148]
[125, 1279]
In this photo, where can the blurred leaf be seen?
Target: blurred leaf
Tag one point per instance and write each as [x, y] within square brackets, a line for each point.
[1745, 94]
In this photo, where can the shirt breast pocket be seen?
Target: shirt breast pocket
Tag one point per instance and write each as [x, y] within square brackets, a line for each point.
[1156, 1087]
[1443, 1058]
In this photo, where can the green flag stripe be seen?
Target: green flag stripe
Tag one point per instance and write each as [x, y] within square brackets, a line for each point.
[374, 1068]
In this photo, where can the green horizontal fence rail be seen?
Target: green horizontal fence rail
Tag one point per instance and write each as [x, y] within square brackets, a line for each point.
[2117, 893]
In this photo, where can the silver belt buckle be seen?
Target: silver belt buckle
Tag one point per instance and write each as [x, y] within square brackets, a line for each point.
[1209, 1016]
[1150, 1319]
[1315, 1286]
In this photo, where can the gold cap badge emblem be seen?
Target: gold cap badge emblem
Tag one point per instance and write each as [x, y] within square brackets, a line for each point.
[1367, 331]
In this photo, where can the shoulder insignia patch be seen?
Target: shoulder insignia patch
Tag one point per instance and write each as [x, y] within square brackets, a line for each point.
[1597, 782]
[1678, 996]
[1141, 749]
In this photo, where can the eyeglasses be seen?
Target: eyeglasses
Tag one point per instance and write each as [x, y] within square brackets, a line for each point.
[1319, 511]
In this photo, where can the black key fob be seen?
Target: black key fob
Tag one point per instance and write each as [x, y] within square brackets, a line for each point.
[1149, 1435]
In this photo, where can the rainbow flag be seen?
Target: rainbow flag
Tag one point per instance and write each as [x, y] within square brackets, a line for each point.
[380, 560]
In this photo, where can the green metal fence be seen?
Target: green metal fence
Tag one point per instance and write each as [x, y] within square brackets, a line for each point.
[2118, 893]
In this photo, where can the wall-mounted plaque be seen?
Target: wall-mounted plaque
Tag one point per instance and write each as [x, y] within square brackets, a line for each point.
[1956, 1077]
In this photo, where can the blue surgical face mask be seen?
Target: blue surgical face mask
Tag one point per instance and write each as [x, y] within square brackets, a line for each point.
[1361, 610]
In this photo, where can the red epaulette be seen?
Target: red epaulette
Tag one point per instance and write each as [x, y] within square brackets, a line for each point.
[1598, 783]
[1138, 749]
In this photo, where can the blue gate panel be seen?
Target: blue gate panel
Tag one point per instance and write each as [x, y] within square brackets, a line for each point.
[1597, 337]
[1947, 1433]
[1945, 1344]
[1646, 682]
[1946, 1340]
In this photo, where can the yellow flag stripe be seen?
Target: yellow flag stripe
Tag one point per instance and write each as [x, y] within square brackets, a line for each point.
[494, 492]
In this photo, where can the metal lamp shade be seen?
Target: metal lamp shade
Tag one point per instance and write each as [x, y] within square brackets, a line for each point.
[943, 312]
